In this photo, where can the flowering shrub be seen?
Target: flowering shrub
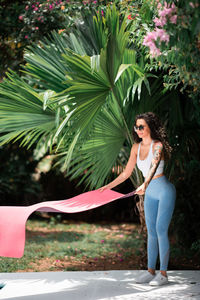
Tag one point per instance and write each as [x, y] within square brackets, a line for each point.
[174, 41]
[40, 17]
[29, 21]
[168, 31]
[158, 35]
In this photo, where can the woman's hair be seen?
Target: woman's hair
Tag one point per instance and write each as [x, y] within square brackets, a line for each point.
[157, 131]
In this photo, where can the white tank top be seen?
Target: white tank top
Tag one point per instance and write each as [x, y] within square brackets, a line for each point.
[144, 165]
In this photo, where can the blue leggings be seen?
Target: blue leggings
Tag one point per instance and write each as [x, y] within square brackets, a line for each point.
[159, 203]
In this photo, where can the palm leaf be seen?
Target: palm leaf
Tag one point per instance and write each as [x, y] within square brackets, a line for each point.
[21, 112]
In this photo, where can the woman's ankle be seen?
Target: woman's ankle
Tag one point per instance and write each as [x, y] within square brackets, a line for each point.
[164, 273]
[152, 271]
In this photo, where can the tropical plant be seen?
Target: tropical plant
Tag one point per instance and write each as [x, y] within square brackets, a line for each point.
[89, 102]
[81, 106]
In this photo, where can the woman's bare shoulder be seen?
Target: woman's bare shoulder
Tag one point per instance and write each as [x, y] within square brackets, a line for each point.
[158, 144]
[134, 148]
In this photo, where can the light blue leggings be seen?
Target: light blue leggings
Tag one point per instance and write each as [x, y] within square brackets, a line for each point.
[159, 203]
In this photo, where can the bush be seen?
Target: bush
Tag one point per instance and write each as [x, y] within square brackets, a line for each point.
[17, 186]
[30, 21]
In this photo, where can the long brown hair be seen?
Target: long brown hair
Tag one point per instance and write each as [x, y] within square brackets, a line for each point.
[157, 131]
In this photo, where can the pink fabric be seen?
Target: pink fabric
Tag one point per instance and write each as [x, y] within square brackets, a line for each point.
[13, 218]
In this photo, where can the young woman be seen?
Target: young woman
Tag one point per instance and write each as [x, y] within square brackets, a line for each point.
[150, 153]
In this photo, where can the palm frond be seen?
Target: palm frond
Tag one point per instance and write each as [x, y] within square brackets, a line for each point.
[21, 112]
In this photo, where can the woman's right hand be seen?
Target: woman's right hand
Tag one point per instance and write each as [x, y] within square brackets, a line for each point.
[105, 187]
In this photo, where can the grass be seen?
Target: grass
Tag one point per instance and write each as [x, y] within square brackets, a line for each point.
[73, 246]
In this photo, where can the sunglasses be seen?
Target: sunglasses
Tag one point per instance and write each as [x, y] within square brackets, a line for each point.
[140, 127]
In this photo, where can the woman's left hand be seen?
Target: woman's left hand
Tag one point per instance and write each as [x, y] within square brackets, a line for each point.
[141, 189]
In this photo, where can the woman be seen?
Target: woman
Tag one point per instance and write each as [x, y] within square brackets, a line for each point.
[150, 152]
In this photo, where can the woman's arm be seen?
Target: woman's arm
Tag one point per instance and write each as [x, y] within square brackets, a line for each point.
[153, 167]
[127, 171]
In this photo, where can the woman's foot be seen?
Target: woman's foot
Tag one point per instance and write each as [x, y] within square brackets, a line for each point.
[159, 279]
[146, 277]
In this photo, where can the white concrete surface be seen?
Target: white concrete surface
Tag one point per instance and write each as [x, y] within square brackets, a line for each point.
[99, 285]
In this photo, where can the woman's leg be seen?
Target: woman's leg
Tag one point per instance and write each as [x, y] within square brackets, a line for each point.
[151, 210]
[167, 197]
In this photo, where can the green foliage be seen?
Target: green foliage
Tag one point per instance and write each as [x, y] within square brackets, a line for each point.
[22, 113]
[17, 186]
[181, 56]
[97, 86]
[28, 22]
[10, 49]
[186, 220]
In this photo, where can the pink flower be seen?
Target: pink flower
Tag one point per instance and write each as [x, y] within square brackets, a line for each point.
[151, 36]
[129, 17]
[102, 241]
[26, 36]
[36, 8]
[27, 7]
[159, 5]
[155, 51]
[33, 6]
[162, 34]
[173, 19]
[36, 28]
[165, 12]
[102, 13]
[173, 7]
[160, 22]
[21, 18]
[51, 6]
[192, 4]
[94, 2]
[149, 40]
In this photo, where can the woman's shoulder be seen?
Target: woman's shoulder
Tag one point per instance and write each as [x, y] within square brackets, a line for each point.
[135, 148]
[157, 144]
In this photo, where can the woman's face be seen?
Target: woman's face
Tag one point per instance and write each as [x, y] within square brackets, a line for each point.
[142, 129]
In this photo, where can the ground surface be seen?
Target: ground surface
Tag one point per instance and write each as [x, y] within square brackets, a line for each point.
[78, 246]
[98, 285]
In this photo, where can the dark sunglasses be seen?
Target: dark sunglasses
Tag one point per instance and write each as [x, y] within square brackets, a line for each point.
[140, 127]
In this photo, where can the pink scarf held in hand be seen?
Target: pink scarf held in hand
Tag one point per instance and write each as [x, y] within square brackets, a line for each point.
[13, 218]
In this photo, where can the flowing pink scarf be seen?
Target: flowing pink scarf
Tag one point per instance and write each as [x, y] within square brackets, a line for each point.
[13, 218]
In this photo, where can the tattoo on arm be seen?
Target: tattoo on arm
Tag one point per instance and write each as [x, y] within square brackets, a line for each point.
[155, 162]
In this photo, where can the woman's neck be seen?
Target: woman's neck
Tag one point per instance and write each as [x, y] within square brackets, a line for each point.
[146, 141]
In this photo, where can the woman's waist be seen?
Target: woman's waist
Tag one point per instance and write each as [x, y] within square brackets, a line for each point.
[159, 175]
